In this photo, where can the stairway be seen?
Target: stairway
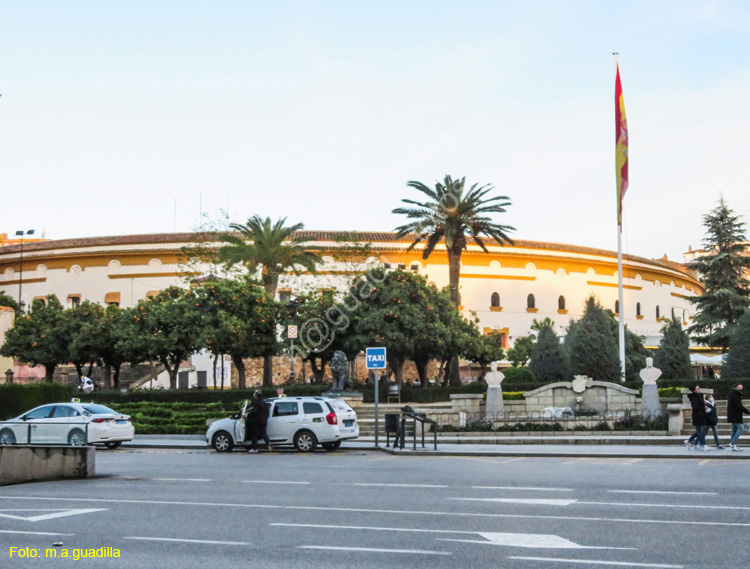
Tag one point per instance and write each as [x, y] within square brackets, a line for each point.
[366, 416]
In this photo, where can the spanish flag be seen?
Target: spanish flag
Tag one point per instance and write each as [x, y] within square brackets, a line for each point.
[621, 146]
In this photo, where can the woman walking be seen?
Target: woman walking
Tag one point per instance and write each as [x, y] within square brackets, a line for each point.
[713, 419]
[700, 419]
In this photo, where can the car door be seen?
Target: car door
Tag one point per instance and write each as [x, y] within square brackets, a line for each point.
[63, 419]
[239, 424]
[38, 425]
[283, 421]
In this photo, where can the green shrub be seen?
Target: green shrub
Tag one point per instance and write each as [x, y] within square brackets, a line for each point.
[515, 375]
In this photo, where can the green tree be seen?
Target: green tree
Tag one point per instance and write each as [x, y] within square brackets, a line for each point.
[592, 346]
[116, 323]
[737, 362]
[485, 349]
[549, 359]
[237, 318]
[519, 354]
[39, 337]
[84, 328]
[456, 217]
[8, 301]
[723, 271]
[168, 329]
[673, 355]
[272, 248]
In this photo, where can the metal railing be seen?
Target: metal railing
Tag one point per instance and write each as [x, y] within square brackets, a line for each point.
[31, 433]
[409, 413]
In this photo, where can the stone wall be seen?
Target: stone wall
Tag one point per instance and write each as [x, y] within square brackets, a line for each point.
[31, 463]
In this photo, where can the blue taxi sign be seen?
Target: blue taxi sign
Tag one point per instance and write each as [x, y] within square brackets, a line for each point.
[375, 358]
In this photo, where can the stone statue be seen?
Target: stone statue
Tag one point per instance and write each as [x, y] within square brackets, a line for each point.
[339, 370]
[650, 396]
[494, 405]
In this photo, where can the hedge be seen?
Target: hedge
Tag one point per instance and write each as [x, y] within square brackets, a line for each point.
[16, 398]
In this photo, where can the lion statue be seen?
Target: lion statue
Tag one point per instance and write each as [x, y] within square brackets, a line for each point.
[339, 370]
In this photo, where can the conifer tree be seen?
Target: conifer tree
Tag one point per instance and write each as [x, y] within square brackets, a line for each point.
[549, 359]
[737, 363]
[722, 270]
[673, 355]
[592, 348]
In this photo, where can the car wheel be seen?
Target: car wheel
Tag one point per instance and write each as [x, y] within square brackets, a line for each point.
[332, 446]
[7, 437]
[222, 442]
[113, 445]
[77, 438]
[305, 441]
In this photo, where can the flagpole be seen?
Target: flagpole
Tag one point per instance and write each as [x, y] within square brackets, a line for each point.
[621, 306]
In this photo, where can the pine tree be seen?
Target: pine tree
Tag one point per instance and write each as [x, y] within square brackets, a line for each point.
[673, 355]
[549, 360]
[592, 347]
[722, 270]
[737, 363]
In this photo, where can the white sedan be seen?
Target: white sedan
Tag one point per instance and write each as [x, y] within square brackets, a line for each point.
[73, 423]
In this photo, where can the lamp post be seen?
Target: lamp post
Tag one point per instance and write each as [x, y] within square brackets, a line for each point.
[20, 278]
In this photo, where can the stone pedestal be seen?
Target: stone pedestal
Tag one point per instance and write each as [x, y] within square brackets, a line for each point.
[494, 408]
[468, 403]
[676, 419]
[650, 401]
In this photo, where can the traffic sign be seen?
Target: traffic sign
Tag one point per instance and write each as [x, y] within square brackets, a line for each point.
[375, 358]
[291, 332]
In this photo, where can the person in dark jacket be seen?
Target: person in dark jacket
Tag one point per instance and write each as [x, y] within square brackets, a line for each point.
[700, 419]
[735, 409]
[257, 419]
[713, 419]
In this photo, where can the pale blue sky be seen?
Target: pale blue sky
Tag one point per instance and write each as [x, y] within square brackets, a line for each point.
[322, 111]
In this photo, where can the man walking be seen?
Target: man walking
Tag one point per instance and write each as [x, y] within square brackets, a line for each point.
[258, 418]
[735, 409]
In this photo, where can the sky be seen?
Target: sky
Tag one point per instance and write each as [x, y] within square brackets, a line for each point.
[141, 116]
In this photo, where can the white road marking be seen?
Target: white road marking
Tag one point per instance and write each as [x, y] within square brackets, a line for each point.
[531, 540]
[34, 532]
[662, 492]
[539, 501]
[682, 506]
[170, 539]
[401, 485]
[599, 562]
[379, 511]
[274, 482]
[182, 479]
[522, 488]
[375, 550]
[511, 539]
[56, 513]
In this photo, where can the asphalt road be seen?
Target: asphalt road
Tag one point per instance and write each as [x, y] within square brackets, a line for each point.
[363, 509]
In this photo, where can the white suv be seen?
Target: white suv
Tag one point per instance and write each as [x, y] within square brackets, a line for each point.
[300, 421]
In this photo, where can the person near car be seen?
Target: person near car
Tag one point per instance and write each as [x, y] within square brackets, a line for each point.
[699, 417]
[735, 409]
[713, 419]
[257, 419]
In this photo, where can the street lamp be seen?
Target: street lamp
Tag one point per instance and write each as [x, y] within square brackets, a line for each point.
[21, 234]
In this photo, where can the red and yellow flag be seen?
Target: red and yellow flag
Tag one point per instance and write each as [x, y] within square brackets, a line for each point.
[621, 146]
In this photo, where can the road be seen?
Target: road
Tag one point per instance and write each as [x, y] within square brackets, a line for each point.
[363, 509]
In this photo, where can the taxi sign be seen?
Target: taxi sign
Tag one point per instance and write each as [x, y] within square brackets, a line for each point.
[375, 358]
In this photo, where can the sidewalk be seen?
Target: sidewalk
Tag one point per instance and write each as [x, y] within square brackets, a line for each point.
[578, 447]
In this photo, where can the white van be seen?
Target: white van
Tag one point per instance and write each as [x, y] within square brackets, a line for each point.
[303, 422]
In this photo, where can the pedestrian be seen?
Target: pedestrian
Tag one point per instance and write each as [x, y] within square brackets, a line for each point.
[735, 409]
[700, 419]
[257, 419]
[713, 419]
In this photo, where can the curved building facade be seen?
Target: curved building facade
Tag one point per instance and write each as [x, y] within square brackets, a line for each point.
[508, 287]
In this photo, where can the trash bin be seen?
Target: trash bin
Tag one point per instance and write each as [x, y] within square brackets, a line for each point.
[391, 426]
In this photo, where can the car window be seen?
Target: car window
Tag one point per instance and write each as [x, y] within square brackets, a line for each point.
[312, 408]
[40, 413]
[99, 409]
[284, 408]
[62, 411]
[340, 406]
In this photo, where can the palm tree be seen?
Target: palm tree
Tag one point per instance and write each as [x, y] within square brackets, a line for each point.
[274, 249]
[455, 217]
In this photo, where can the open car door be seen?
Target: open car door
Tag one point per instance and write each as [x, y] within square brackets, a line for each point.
[239, 425]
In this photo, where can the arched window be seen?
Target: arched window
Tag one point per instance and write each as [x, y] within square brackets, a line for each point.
[638, 309]
[530, 303]
[495, 299]
[658, 313]
[617, 307]
[561, 303]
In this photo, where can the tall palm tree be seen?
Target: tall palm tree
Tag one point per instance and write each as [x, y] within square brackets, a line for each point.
[455, 217]
[272, 247]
